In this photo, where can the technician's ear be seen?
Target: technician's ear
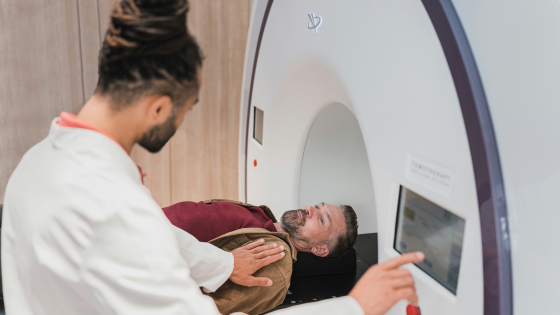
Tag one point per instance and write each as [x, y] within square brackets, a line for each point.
[159, 108]
[321, 250]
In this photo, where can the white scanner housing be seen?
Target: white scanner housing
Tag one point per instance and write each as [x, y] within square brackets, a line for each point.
[455, 101]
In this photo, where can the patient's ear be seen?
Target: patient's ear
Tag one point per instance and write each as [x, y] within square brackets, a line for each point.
[321, 250]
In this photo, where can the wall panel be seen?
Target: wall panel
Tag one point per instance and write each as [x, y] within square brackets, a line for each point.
[204, 150]
[90, 44]
[48, 57]
[40, 76]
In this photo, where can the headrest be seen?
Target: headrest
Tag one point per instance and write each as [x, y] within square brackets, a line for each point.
[308, 264]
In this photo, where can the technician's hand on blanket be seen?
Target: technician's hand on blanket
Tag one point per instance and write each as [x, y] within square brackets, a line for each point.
[385, 284]
[252, 257]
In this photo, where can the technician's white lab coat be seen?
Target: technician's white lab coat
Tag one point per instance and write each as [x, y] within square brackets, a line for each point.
[82, 235]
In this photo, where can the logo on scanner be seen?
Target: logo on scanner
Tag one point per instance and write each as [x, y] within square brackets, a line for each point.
[430, 174]
[314, 22]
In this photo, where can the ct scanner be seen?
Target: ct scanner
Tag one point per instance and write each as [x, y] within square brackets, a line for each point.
[437, 120]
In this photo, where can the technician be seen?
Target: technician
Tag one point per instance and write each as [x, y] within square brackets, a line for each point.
[82, 235]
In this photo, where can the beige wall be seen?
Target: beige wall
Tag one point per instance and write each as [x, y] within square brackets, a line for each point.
[48, 57]
[40, 73]
[204, 152]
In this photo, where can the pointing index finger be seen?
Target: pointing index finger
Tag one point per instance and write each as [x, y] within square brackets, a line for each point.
[409, 258]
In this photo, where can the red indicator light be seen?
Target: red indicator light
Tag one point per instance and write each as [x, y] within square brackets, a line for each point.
[255, 162]
[412, 310]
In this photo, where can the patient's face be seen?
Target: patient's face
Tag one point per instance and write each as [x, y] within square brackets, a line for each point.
[313, 225]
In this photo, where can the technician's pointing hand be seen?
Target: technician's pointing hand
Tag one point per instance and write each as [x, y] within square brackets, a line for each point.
[384, 285]
[252, 257]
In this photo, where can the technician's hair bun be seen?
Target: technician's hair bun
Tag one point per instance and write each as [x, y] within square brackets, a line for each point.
[146, 27]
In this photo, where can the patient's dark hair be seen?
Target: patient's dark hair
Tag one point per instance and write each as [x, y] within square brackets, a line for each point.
[148, 50]
[346, 241]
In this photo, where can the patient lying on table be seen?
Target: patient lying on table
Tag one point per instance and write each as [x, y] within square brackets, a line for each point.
[324, 230]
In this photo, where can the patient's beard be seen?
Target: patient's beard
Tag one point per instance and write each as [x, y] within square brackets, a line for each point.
[290, 224]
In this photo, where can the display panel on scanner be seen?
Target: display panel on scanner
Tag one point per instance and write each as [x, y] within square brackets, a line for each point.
[426, 227]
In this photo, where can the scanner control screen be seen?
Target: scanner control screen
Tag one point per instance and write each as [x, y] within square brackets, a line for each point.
[426, 227]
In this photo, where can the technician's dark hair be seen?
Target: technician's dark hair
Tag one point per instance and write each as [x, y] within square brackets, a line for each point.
[148, 50]
[344, 242]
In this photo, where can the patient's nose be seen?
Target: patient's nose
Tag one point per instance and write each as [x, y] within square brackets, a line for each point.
[307, 210]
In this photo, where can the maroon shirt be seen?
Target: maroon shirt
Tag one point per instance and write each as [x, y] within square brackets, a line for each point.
[208, 221]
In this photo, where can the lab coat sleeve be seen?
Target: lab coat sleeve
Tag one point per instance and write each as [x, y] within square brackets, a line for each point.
[210, 266]
[342, 305]
[133, 265]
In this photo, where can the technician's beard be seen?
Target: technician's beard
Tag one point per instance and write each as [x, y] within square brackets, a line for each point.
[155, 139]
[289, 223]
